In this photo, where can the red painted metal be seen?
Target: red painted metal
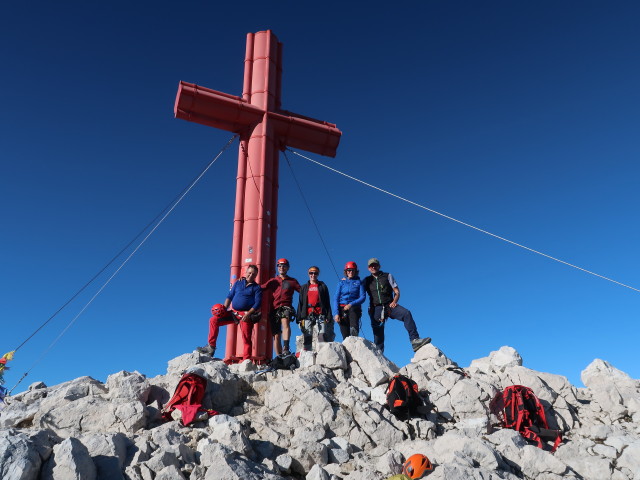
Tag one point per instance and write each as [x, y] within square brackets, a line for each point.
[264, 130]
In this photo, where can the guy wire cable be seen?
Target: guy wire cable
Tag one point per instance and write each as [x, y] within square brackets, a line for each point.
[139, 234]
[246, 155]
[311, 214]
[175, 204]
[464, 223]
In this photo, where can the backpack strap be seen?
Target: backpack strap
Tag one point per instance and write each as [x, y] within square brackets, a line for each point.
[526, 432]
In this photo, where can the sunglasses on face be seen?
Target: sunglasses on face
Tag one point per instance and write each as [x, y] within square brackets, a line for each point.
[282, 265]
[374, 265]
[313, 273]
[351, 270]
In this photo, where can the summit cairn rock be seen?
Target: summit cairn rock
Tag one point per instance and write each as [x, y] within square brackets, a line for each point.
[324, 420]
[374, 368]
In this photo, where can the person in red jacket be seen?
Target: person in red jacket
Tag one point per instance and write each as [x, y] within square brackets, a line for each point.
[314, 309]
[282, 312]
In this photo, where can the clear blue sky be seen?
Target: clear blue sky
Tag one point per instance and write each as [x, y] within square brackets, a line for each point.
[518, 117]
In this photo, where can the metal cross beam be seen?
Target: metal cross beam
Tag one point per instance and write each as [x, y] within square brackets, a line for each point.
[264, 130]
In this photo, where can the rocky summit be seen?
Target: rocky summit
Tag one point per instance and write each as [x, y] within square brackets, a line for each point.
[326, 420]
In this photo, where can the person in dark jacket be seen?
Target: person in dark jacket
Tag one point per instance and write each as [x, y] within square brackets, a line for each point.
[314, 308]
[384, 295]
[347, 301]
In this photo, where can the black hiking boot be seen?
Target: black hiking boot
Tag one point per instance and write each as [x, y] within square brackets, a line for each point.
[417, 343]
[207, 350]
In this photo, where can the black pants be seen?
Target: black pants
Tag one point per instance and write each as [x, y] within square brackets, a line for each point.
[350, 326]
[397, 313]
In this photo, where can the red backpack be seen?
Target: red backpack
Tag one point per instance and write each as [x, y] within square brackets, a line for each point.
[187, 398]
[518, 408]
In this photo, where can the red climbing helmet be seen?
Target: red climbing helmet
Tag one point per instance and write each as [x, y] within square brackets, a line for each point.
[282, 261]
[351, 265]
[218, 310]
[417, 466]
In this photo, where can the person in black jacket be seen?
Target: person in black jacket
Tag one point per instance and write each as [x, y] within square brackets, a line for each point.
[384, 295]
[314, 308]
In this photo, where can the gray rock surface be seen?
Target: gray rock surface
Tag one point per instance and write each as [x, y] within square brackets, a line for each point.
[323, 421]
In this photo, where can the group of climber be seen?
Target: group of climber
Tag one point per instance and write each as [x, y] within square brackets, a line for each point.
[242, 306]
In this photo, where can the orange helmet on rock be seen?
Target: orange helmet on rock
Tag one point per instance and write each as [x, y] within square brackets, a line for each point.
[351, 265]
[417, 466]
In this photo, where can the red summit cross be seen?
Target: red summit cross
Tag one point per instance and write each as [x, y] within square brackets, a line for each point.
[264, 129]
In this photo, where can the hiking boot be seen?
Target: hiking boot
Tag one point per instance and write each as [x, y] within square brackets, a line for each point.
[286, 352]
[419, 342]
[207, 350]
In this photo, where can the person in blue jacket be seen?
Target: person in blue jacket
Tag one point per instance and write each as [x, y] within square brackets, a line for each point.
[348, 299]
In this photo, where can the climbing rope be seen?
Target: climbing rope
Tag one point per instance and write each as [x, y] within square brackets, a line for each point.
[315, 224]
[464, 223]
[163, 214]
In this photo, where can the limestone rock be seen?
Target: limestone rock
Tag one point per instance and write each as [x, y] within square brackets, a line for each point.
[577, 456]
[497, 361]
[108, 451]
[332, 355]
[22, 454]
[128, 386]
[70, 460]
[375, 367]
[326, 420]
[223, 463]
[616, 393]
[170, 472]
[228, 431]
[317, 473]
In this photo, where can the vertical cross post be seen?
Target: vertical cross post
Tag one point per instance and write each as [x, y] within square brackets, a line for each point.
[264, 130]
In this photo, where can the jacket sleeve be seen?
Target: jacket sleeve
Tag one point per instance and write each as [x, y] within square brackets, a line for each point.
[365, 283]
[336, 297]
[362, 295]
[326, 301]
[268, 285]
[302, 303]
[232, 292]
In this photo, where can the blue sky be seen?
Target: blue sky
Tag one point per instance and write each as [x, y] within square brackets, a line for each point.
[518, 117]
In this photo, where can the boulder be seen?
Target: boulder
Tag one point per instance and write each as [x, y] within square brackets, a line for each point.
[375, 368]
[332, 355]
[128, 387]
[228, 431]
[70, 460]
[23, 453]
[223, 463]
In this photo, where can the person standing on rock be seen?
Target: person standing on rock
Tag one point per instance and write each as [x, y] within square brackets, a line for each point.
[314, 309]
[384, 295]
[245, 298]
[282, 286]
[348, 299]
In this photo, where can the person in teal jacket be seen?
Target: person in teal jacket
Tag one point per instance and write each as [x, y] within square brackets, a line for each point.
[347, 301]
